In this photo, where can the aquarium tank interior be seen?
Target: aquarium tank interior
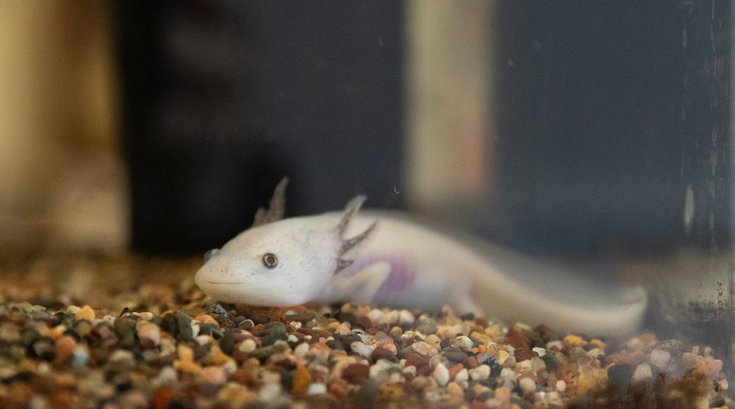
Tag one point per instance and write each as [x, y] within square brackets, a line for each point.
[466, 204]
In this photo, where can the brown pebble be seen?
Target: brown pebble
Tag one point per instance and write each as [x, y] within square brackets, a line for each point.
[356, 373]
[383, 353]
[518, 339]
[364, 322]
[478, 405]
[65, 349]
[523, 354]
[301, 380]
[338, 388]
[415, 359]
[206, 319]
[471, 362]
[454, 369]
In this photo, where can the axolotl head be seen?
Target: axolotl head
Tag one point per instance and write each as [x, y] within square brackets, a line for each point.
[286, 262]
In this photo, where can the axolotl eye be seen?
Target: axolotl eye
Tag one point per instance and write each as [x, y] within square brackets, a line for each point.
[270, 260]
[209, 254]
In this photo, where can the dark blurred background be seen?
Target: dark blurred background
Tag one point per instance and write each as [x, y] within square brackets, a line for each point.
[567, 128]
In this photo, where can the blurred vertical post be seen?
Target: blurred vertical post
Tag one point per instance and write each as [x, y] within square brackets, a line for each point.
[63, 182]
[448, 104]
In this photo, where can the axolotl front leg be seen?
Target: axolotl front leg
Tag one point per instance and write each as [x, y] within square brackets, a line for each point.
[360, 287]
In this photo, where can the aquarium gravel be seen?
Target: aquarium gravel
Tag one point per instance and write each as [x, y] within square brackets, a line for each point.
[138, 334]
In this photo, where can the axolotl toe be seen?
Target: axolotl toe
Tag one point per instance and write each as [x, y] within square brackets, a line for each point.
[391, 260]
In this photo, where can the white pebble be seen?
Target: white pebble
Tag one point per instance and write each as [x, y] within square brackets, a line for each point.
[269, 391]
[424, 348]
[507, 374]
[301, 350]
[166, 376]
[362, 349]
[292, 338]
[375, 315]
[229, 367]
[493, 403]
[561, 386]
[396, 377]
[80, 356]
[553, 398]
[168, 346]
[441, 374]
[642, 372]
[462, 376]
[539, 351]
[556, 343]
[316, 389]
[39, 402]
[462, 342]
[122, 356]
[247, 346]
[660, 358]
[527, 384]
[480, 373]
[405, 317]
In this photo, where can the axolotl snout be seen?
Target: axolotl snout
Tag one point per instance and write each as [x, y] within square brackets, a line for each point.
[387, 259]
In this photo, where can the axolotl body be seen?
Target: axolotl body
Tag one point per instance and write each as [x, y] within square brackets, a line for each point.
[388, 259]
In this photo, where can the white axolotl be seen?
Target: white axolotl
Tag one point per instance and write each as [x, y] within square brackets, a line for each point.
[390, 260]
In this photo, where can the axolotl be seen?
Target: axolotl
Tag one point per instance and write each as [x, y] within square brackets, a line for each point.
[389, 259]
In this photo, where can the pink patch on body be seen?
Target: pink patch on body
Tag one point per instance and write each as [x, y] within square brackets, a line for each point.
[401, 277]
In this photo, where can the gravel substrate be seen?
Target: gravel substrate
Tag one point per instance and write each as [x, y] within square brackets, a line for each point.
[169, 347]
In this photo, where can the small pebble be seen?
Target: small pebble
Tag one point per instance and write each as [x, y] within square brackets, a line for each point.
[480, 373]
[660, 358]
[149, 335]
[424, 348]
[502, 356]
[85, 313]
[527, 384]
[65, 348]
[356, 373]
[455, 389]
[269, 392]
[316, 389]
[462, 376]
[441, 374]
[502, 394]
[362, 349]
[574, 341]
[210, 378]
[405, 318]
[299, 351]
[642, 372]
[462, 342]
[383, 353]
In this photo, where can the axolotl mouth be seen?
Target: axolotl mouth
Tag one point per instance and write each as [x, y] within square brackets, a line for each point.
[233, 292]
